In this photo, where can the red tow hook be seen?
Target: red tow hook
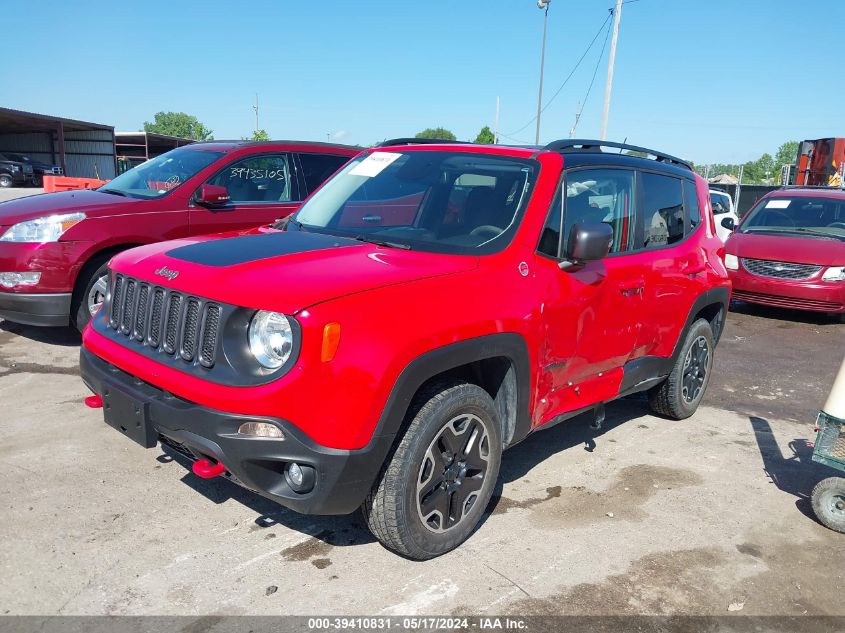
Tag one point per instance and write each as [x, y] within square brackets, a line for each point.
[94, 402]
[205, 469]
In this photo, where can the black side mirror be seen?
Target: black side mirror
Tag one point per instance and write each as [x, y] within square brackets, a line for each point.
[729, 224]
[587, 242]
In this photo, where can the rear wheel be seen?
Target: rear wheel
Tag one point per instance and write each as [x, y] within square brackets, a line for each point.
[435, 488]
[828, 500]
[679, 395]
[90, 291]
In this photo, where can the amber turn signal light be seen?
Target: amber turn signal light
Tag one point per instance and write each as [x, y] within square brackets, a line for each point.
[331, 339]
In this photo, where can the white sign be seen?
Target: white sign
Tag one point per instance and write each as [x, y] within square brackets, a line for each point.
[778, 204]
[374, 164]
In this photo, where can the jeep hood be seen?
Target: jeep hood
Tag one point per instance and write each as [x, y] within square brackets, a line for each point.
[281, 271]
[88, 201]
[787, 248]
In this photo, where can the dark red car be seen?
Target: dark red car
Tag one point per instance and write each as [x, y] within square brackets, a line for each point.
[54, 247]
[426, 308]
[789, 251]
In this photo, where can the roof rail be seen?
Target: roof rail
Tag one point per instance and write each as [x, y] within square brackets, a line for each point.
[592, 145]
[418, 141]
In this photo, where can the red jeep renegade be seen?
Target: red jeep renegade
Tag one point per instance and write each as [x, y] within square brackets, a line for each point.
[428, 307]
[54, 248]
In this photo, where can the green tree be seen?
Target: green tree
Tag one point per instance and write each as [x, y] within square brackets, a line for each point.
[485, 136]
[787, 154]
[260, 135]
[178, 124]
[437, 132]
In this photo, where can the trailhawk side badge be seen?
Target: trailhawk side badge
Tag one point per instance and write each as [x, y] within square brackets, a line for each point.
[164, 271]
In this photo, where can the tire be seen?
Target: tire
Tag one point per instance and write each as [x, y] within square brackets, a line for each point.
[401, 512]
[5, 181]
[828, 498]
[95, 270]
[676, 398]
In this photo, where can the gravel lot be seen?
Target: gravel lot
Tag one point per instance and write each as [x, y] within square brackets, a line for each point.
[18, 192]
[706, 516]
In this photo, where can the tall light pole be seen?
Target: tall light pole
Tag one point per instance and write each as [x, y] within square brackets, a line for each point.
[544, 6]
[617, 15]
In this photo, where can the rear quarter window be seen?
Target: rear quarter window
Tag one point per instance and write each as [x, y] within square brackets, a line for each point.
[663, 210]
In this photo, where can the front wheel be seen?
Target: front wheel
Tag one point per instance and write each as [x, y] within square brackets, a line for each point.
[828, 498]
[436, 487]
[679, 395]
[5, 181]
[90, 292]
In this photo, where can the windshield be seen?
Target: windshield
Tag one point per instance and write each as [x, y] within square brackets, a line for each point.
[438, 201]
[805, 215]
[161, 175]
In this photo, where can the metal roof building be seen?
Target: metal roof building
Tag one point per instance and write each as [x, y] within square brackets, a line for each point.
[80, 148]
[133, 148]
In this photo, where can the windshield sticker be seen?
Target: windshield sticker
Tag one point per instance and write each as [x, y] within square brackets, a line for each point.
[373, 164]
[778, 204]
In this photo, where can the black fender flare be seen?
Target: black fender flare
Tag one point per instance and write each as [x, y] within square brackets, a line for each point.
[442, 359]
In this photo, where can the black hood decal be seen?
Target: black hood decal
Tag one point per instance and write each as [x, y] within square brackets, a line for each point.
[240, 250]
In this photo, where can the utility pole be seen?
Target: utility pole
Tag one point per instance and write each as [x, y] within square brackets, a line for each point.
[543, 5]
[617, 16]
[255, 107]
[496, 124]
[577, 118]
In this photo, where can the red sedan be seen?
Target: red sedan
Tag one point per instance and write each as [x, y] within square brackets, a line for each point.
[789, 251]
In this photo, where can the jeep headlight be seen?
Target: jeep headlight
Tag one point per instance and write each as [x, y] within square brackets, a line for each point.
[47, 229]
[834, 273]
[270, 338]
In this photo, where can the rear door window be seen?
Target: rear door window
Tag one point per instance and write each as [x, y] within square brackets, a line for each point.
[663, 210]
[316, 168]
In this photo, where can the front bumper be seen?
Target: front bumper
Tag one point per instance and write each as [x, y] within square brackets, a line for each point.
[36, 309]
[812, 294]
[343, 477]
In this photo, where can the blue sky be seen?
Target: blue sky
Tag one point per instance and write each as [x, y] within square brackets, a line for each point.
[712, 81]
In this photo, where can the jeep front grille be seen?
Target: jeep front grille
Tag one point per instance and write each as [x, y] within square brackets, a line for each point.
[779, 270]
[180, 325]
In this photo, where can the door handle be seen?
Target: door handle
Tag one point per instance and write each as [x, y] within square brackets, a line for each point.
[633, 287]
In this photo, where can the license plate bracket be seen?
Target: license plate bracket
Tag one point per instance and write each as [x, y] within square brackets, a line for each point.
[128, 415]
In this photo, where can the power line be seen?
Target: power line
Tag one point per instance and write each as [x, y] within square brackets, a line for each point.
[568, 77]
[592, 81]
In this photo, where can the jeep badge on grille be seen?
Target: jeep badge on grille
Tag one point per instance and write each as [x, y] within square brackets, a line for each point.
[164, 271]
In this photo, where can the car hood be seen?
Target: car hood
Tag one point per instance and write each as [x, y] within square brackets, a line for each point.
[279, 270]
[787, 248]
[92, 203]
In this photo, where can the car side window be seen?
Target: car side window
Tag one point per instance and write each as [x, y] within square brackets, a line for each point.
[691, 202]
[721, 203]
[262, 178]
[663, 210]
[601, 196]
[550, 237]
[316, 168]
